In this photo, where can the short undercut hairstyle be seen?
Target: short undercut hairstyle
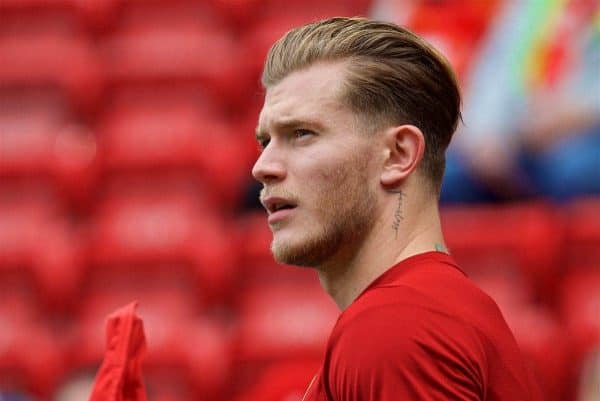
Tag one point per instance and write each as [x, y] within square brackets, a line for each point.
[393, 77]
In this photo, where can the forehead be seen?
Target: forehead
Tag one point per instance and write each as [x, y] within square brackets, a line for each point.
[311, 94]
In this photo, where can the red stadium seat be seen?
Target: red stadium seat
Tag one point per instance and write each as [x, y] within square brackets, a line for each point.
[160, 232]
[54, 15]
[168, 42]
[26, 17]
[315, 9]
[523, 241]
[30, 125]
[18, 306]
[35, 5]
[580, 302]
[146, 137]
[241, 14]
[153, 137]
[283, 381]
[39, 144]
[30, 357]
[51, 60]
[583, 232]
[38, 252]
[133, 14]
[282, 321]
[154, 55]
[249, 13]
[270, 315]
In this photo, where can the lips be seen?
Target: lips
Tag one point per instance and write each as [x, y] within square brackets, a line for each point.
[278, 208]
[275, 204]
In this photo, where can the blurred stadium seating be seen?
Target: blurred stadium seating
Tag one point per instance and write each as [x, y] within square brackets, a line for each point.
[126, 142]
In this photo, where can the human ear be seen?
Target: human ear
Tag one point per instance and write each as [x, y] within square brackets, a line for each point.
[404, 149]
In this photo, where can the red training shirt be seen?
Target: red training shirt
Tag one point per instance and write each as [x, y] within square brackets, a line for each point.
[422, 331]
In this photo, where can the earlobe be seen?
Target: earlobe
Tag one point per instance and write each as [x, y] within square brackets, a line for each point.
[405, 146]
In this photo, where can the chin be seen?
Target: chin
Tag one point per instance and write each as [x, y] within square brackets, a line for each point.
[309, 250]
[286, 250]
[290, 257]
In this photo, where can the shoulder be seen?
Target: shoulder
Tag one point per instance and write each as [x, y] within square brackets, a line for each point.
[377, 335]
[402, 328]
[404, 346]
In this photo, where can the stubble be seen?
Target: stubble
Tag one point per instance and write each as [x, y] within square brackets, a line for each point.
[345, 212]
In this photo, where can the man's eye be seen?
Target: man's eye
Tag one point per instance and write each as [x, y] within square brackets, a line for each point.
[263, 143]
[299, 133]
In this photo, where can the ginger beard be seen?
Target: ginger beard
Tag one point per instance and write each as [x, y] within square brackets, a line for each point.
[341, 217]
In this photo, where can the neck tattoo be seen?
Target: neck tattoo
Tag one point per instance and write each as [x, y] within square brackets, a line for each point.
[441, 248]
[398, 213]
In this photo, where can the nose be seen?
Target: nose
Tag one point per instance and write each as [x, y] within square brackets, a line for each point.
[269, 168]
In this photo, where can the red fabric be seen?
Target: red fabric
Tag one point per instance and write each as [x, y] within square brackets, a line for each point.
[422, 331]
[120, 376]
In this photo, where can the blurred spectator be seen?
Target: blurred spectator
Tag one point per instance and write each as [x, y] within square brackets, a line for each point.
[590, 382]
[14, 396]
[77, 388]
[532, 108]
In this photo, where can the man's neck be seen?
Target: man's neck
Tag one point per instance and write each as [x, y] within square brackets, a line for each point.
[395, 237]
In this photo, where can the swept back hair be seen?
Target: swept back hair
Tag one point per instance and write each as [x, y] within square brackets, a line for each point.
[393, 77]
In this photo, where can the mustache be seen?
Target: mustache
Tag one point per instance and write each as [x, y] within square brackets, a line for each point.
[282, 193]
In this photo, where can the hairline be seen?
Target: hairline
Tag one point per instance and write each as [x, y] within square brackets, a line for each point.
[382, 120]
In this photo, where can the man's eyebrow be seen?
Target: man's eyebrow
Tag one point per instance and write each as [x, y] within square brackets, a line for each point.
[290, 124]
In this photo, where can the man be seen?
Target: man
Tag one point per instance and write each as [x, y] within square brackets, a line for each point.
[356, 120]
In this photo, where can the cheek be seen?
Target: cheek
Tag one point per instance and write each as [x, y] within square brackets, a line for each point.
[336, 188]
[330, 186]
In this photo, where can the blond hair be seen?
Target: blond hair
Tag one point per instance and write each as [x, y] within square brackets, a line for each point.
[393, 77]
